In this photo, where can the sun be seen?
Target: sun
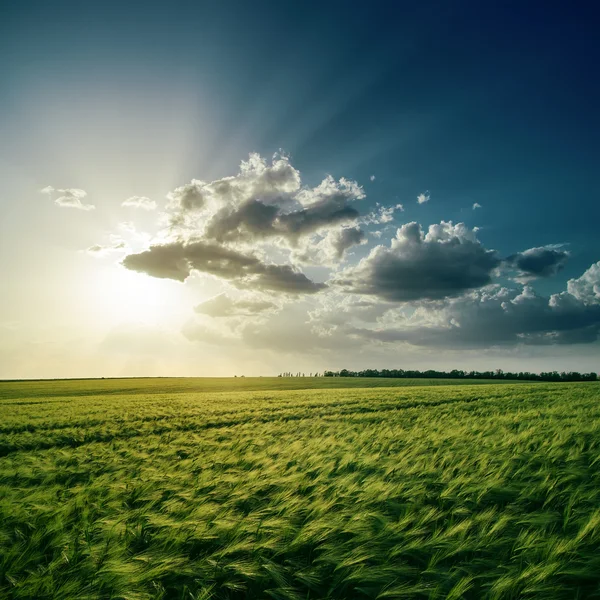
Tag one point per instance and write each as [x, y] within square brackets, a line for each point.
[126, 296]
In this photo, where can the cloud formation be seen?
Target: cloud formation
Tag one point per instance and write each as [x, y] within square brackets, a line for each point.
[254, 219]
[587, 287]
[224, 227]
[544, 261]
[430, 287]
[495, 317]
[177, 260]
[226, 306]
[117, 244]
[446, 261]
[382, 214]
[331, 249]
[68, 197]
[140, 202]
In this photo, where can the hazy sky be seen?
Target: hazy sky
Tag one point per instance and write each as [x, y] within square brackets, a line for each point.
[219, 188]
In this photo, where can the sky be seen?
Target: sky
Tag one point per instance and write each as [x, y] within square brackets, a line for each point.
[227, 188]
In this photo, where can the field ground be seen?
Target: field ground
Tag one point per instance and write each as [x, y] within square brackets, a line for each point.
[177, 385]
[170, 488]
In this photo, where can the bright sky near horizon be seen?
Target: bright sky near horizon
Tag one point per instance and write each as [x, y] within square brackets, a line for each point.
[219, 188]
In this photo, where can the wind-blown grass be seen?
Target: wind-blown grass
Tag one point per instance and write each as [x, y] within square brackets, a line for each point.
[487, 491]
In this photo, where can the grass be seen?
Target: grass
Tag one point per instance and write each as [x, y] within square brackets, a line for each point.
[86, 387]
[140, 489]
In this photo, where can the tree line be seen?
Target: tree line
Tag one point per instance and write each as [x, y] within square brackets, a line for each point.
[298, 374]
[458, 374]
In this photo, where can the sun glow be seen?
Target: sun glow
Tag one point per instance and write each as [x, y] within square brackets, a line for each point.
[128, 296]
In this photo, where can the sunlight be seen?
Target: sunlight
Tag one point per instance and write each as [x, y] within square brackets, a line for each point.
[128, 296]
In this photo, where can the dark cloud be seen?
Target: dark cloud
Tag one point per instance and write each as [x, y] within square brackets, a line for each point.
[251, 220]
[445, 262]
[496, 317]
[345, 238]
[189, 197]
[321, 214]
[225, 306]
[176, 260]
[545, 261]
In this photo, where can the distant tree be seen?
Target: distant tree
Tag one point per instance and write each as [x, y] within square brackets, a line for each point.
[457, 374]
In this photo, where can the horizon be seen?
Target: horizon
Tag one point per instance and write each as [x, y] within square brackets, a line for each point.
[225, 189]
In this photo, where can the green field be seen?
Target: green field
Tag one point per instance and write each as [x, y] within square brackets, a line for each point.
[177, 385]
[258, 488]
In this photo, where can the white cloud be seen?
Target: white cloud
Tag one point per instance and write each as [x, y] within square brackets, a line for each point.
[476, 205]
[140, 202]
[68, 197]
[587, 287]
[231, 227]
[424, 197]
[382, 214]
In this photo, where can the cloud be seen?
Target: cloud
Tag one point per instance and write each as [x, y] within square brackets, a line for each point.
[251, 220]
[343, 239]
[177, 260]
[544, 261]
[494, 317]
[587, 287]
[69, 197]
[287, 332]
[226, 306]
[372, 178]
[264, 201]
[316, 209]
[100, 250]
[331, 249]
[447, 261]
[189, 197]
[424, 197]
[291, 331]
[140, 202]
[256, 180]
[324, 206]
[382, 214]
[476, 205]
[221, 227]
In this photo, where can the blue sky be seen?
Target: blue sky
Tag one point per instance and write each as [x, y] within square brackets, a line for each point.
[487, 103]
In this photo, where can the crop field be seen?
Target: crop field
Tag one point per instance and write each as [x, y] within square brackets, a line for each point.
[257, 488]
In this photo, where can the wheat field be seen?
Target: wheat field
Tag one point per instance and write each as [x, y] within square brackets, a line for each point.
[227, 489]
